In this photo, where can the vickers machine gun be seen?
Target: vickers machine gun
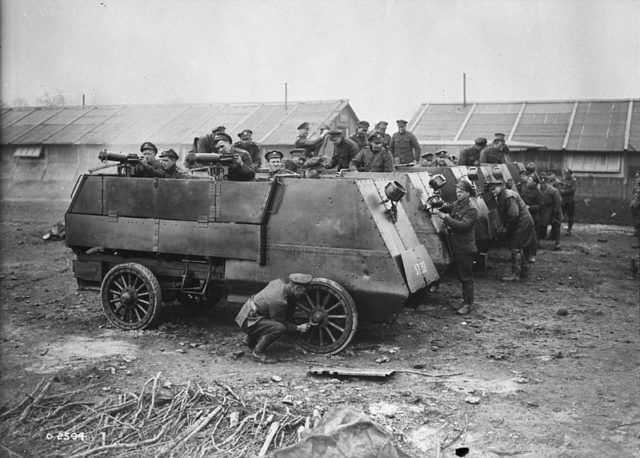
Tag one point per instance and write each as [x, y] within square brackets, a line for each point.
[123, 161]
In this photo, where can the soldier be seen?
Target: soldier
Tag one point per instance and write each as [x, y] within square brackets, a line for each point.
[426, 160]
[568, 192]
[275, 164]
[534, 199]
[442, 159]
[314, 167]
[207, 144]
[531, 171]
[297, 158]
[310, 144]
[460, 223]
[635, 207]
[246, 143]
[381, 128]
[360, 137]
[470, 156]
[168, 159]
[373, 158]
[149, 166]
[265, 316]
[494, 153]
[242, 167]
[551, 213]
[404, 146]
[344, 150]
[519, 226]
[501, 143]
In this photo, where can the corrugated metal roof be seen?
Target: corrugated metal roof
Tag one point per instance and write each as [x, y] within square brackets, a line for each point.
[596, 125]
[170, 124]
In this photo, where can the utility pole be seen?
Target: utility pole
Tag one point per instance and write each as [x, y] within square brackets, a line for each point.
[464, 90]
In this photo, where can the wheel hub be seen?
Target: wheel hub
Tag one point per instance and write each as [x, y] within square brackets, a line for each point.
[318, 317]
[128, 297]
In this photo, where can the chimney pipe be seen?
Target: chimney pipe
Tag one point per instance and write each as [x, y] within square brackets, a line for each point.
[285, 96]
[464, 90]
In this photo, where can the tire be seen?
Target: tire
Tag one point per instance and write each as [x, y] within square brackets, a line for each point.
[131, 296]
[333, 310]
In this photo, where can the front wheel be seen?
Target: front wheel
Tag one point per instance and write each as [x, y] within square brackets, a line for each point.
[131, 296]
[333, 314]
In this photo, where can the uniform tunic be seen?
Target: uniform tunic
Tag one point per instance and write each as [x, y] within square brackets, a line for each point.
[405, 147]
[534, 200]
[311, 146]
[360, 141]
[552, 206]
[244, 172]
[469, 156]
[492, 154]
[516, 219]
[368, 161]
[270, 303]
[343, 153]
[253, 149]
[461, 222]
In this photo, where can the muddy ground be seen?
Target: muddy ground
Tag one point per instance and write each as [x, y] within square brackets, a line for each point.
[547, 367]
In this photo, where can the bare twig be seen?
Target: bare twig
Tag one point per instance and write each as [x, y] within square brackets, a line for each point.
[153, 394]
[117, 446]
[25, 401]
[231, 392]
[26, 411]
[273, 429]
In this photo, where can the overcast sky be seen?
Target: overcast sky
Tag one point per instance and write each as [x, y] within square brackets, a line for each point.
[386, 56]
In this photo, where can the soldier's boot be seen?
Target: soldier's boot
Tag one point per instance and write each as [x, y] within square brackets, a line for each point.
[250, 341]
[516, 267]
[259, 351]
[467, 295]
[524, 271]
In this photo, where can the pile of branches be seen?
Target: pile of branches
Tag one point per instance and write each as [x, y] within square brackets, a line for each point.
[158, 421]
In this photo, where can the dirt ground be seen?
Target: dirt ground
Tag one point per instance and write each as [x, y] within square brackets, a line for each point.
[546, 367]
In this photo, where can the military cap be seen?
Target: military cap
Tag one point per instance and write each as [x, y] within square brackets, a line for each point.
[273, 154]
[544, 179]
[301, 279]
[335, 132]
[480, 141]
[297, 152]
[148, 145]
[499, 135]
[170, 153]
[375, 137]
[382, 123]
[314, 163]
[441, 152]
[219, 129]
[401, 121]
[222, 136]
[530, 167]
[363, 124]
[304, 125]
[246, 131]
[426, 154]
[465, 185]
[493, 181]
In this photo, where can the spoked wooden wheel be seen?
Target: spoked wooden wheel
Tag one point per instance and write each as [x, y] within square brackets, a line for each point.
[332, 311]
[131, 296]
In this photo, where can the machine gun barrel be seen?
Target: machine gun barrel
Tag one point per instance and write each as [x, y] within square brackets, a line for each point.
[214, 158]
[121, 158]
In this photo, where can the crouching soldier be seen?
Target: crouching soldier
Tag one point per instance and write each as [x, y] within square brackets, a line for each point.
[265, 316]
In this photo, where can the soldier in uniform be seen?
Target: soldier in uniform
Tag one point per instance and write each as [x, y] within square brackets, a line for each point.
[275, 164]
[360, 137]
[168, 159]
[534, 199]
[381, 129]
[442, 159]
[314, 167]
[501, 142]
[266, 315]
[494, 153]
[295, 163]
[404, 146]
[568, 193]
[149, 166]
[344, 150]
[531, 171]
[373, 158]
[207, 144]
[426, 160]
[551, 213]
[242, 167]
[470, 156]
[246, 143]
[460, 223]
[519, 225]
[311, 144]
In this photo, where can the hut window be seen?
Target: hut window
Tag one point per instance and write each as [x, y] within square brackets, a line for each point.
[594, 163]
[31, 152]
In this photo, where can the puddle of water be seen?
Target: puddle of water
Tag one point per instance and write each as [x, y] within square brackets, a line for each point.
[78, 352]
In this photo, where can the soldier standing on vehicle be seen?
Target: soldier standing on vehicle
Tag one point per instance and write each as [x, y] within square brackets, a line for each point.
[207, 144]
[568, 193]
[266, 316]
[360, 137]
[246, 143]
[519, 226]
[373, 158]
[381, 129]
[551, 213]
[311, 144]
[314, 167]
[404, 146]
[275, 164]
[495, 152]
[241, 169]
[344, 150]
[295, 163]
[460, 222]
[426, 160]
[168, 159]
[470, 156]
[442, 159]
[149, 166]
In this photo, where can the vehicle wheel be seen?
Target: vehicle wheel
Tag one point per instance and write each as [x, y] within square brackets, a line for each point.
[131, 296]
[210, 298]
[333, 312]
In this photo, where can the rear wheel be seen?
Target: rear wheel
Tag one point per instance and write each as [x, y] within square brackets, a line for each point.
[332, 311]
[131, 296]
